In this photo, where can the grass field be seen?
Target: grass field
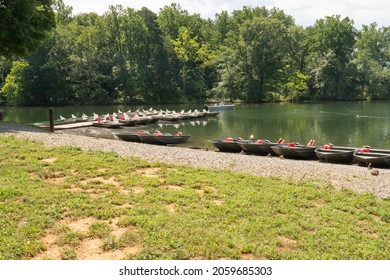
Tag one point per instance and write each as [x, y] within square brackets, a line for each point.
[65, 203]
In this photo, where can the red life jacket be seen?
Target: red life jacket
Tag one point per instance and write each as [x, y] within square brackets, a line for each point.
[364, 150]
[292, 144]
[229, 139]
[260, 141]
[327, 147]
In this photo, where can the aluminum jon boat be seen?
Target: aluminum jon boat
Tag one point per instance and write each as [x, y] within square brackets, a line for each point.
[331, 153]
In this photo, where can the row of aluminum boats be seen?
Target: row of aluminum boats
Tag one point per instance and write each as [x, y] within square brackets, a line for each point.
[327, 153]
[129, 118]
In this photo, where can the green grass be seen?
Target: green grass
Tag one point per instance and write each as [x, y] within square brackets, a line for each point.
[176, 212]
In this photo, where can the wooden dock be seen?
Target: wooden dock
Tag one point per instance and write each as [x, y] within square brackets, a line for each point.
[72, 125]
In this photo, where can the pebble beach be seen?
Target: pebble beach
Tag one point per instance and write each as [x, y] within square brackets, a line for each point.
[357, 178]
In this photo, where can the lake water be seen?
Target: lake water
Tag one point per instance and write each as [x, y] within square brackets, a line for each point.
[341, 123]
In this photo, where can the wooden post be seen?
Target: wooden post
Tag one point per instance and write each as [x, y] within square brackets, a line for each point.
[1, 116]
[51, 119]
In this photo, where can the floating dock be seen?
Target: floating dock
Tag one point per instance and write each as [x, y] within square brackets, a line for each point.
[72, 125]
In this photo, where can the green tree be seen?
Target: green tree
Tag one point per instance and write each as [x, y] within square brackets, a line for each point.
[373, 61]
[24, 25]
[16, 84]
[332, 42]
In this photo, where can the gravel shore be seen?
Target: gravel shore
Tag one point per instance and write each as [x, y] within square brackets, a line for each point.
[353, 177]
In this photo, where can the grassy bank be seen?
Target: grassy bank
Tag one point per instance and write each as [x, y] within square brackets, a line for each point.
[64, 203]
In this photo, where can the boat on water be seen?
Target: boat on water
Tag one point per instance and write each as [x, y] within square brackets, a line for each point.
[230, 145]
[260, 147]
[58, 122]
[296, 150]
[219, 106]
[331, 153]
[375, 157]
[158, 138]
[107, 124]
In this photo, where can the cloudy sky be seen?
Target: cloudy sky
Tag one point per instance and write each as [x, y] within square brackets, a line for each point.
[305, 12]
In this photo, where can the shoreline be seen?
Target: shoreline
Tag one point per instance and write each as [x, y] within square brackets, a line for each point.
[340, 176]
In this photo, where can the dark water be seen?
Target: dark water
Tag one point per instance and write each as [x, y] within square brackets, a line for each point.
[341, 123]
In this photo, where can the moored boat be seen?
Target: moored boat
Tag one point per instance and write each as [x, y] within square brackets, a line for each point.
[331, 153]
[296, 150]
[61, 121]
[132, 137]
[230, 145]
[159, 138]
[219, 106]
[107, 124]
[375, 157]
[260, 147]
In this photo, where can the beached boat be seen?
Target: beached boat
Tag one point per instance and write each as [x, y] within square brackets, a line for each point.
[219, 106]
[132, 137]
[159, 138]
[230, 145]
[296, 150]
[260, 147]
[331, 153]
[375, 157]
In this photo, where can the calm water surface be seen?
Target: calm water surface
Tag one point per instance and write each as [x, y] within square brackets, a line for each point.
[341, 123]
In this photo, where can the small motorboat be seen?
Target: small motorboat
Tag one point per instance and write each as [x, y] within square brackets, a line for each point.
[159, 138]
[230, 145]
[260, 147]
[331, 153]
[296, 150]
[219, 106]
[375, 157]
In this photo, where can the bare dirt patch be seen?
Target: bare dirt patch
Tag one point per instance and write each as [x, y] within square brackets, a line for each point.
[89, 248]
[200, 191]
[78, 225]
[248, 257]
[49, 160]
[319, 203]
[173, 187]
[110, 181]
[171, 208]
[56, 181]
[217, 201]
[91, 251]
[287, 244]
[137, 190]
[149, 172]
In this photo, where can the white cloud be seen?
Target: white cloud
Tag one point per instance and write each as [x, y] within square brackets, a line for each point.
[305, 12]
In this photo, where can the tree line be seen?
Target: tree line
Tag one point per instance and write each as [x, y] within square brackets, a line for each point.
[250, 55]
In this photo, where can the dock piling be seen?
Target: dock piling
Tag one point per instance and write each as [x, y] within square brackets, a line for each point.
[51, 119]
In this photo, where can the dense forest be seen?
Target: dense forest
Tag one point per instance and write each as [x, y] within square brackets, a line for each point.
[250, 55]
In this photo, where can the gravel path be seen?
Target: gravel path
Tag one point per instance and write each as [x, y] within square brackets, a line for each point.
[341, 176]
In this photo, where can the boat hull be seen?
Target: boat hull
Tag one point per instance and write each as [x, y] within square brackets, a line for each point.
[221, 107]
[297, 152]
[228, 146]
[258, 149]
[164, 140]
[375, 157]
[129, 137]
[336, 154]
[108, 125]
